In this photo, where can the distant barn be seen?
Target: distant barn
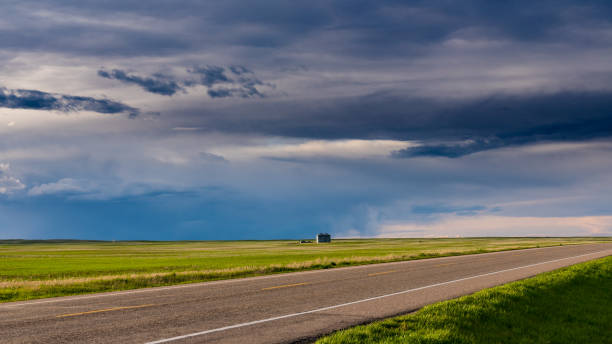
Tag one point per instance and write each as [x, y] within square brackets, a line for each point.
[323, 237]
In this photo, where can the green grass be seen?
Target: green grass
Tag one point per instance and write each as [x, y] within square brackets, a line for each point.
[571, 305]
[36, 269]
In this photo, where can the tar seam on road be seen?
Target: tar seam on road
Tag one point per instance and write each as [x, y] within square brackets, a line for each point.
[211, 283]
[286, 286]
[102, 310]
[356, 302]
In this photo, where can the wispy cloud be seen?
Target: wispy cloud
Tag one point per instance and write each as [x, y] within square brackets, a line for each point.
[221, 82]
[314, 149]
[242, 83]
[39, 100]
[8, 182]
[65, 186]
[157, 83]
[490, 225]
[210, 75]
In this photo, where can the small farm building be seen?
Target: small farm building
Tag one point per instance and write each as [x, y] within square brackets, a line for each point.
[323, 237]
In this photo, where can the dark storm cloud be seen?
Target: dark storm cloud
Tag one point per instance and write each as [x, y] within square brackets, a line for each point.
[367, 29]
[442, 150]
[42, 34]
[512, 121]
[38, 100]
[159, 84]
[188, 26]
[358, 30]
[471, 146]
[450, 128]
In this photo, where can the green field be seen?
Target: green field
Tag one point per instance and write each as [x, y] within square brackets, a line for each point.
[35, 269]
[571, 305]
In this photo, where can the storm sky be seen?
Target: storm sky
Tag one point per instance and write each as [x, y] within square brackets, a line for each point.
[181, 120]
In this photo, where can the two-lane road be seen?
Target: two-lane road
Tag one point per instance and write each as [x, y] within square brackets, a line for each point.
[278, 308]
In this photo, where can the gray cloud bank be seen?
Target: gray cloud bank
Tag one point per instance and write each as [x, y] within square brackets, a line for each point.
[463, 78]
[367, 28]
[447, 128]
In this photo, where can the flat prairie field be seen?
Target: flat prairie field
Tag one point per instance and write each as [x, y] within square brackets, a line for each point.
[37, 269]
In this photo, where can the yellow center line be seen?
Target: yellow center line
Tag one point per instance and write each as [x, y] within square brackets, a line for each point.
[102, 310]
[447, 264]
[285, 286]
[382, 273]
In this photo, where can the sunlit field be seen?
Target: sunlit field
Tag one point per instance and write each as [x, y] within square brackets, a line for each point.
[36, 269]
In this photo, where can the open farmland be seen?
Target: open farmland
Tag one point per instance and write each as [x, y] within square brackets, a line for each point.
[36, 269]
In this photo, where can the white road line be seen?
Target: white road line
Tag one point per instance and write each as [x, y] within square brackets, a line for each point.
[247, 279]
[356, 302]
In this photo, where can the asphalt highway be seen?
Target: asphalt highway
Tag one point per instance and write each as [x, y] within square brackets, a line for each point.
[285, 308]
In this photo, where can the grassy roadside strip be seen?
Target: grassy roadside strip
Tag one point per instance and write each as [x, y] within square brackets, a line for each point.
[33, 270]
[570, 305]
[20, 290]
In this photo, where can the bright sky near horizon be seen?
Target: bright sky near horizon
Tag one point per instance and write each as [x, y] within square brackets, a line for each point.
[172, 120]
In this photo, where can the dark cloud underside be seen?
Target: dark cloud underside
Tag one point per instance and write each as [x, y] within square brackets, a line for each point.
[477, 124]
[368, 29]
